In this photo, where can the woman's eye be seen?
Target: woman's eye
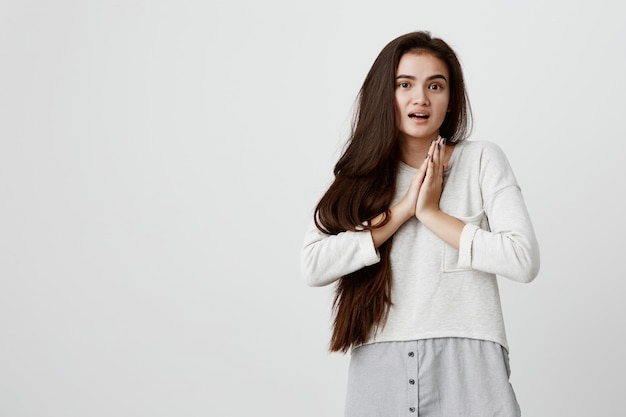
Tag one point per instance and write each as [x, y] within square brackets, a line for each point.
[403, 85]
[436, 87]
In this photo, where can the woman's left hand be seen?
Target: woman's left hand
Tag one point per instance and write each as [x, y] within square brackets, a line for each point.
[432, 186]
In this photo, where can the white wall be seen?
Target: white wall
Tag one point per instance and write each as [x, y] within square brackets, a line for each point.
[159, 162]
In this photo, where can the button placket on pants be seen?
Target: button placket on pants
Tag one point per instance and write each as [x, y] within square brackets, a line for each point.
[412, 390]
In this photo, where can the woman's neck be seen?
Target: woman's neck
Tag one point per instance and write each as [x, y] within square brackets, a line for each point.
[414, 151]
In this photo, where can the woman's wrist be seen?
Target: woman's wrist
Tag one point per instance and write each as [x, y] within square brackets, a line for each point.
[446, 227]
[396, 217]
[427, 215]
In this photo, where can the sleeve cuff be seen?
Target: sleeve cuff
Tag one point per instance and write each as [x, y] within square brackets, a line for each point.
[465, 246]
[366, 244]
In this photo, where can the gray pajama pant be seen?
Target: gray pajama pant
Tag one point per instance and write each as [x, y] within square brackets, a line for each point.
[447, 377]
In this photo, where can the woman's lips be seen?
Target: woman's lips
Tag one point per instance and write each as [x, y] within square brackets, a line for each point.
[419, 117]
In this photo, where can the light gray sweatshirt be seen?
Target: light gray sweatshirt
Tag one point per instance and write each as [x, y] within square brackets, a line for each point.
[438, 291]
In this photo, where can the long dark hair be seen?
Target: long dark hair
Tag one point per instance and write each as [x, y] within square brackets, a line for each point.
[365, 182]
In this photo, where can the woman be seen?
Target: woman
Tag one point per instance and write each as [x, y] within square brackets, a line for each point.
[414, 229]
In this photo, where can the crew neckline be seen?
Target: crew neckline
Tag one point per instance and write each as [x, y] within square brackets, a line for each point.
[455, 152]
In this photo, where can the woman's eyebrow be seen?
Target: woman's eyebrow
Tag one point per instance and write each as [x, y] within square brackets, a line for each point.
[432, 77]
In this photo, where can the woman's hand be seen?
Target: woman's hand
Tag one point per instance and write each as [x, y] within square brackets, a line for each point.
[408, 203]
[401, 211]
[427, 211]
[431, 187]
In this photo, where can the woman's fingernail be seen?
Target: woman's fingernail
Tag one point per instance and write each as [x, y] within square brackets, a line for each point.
[445, 141]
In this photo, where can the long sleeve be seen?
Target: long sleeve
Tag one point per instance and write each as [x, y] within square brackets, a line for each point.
[326, 258]
[509, 248]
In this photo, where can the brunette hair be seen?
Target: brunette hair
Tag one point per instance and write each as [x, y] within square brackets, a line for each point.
[365, 182]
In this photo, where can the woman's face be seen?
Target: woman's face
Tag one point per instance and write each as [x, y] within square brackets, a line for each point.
[422, 96]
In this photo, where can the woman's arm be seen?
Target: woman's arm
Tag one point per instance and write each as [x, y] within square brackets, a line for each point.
[325, 258]
[509, 248]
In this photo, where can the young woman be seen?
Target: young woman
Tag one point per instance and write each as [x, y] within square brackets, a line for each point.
[414, 230]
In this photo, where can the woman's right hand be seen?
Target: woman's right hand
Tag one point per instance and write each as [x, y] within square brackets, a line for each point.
[404, 209]
[407, 205]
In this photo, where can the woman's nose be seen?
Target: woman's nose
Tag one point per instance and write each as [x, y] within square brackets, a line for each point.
[420, 97]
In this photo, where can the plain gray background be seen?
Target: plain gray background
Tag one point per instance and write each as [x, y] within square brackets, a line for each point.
[160, 160]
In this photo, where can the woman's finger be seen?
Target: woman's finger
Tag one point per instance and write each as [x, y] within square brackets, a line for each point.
[422, 171]
[440, 156]
[436, 149]
[431, 158]
[444, 147]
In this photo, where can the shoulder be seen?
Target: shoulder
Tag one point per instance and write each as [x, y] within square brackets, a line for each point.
[482, 153]
[482, 147]
[486, 159]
